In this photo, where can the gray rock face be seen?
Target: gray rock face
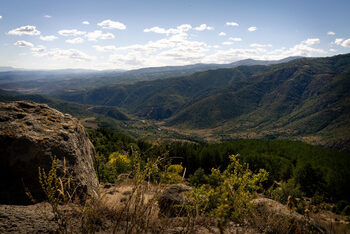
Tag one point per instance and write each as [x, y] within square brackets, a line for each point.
[31, 135]
[172, 199]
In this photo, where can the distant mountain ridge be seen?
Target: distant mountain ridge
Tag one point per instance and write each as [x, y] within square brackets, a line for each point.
[307, 98]
[49, 81]
[5, 69]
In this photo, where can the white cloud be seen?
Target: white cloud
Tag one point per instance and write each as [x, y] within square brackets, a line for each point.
[181, 29]
[156, 29]
[346, 43]
[0, 17]
[301, 49]
[231, 55]
[129, 61]
[227, 43]
[77, 40]
[25, 30]
[330, 33]
[338, 41]
[260, 53]
[109, 24]
[85, 22]
[48, 38]
[232, 24]
[311, 41]
[71, 32]
[252, 29]
[184, 27]
[235, 39]
[260, 45]
[332, 50]
[105, 48]
[342, 42]
[47, 16]
[97, 34]
[203, 27]
[175, 49]
[38, 49]
[222, 34]
[71, 54]
[23, 44]
[182, 55]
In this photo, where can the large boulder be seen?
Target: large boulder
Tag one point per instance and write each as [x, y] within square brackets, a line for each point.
[31, 135]
[172, 200]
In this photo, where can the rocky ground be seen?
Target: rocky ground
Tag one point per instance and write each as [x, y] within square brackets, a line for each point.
[24, 219]
[40, 218]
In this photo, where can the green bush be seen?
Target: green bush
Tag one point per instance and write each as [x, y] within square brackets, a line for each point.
[340, 206]
[172, 174]
[309, 179]
[198, 178]
[229, 194]
[346, 210]
[286, 190]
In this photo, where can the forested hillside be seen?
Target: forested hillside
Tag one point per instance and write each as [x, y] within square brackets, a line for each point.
[307, 99]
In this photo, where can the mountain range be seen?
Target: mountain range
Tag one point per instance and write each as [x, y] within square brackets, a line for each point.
[304, 99]
[49, 81]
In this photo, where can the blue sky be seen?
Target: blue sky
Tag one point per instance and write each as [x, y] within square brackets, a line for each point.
[129, 34]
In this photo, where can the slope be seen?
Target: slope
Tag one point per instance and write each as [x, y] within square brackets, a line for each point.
[300, 98]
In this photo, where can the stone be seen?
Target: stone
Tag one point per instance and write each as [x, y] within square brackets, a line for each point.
[172, 199]
[31, 135]
[272, 215]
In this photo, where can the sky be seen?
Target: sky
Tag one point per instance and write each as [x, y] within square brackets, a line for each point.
[130, 34]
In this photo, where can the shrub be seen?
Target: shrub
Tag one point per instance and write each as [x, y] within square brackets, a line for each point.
[346, 210]
[108, 170]
[309, 179]
[229, 194]
[121, 163]
[198, 178]
[286, 191]
[340, 206]
[58, 190]
[172, 174]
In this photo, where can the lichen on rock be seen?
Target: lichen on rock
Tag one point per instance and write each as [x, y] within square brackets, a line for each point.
[31, 136]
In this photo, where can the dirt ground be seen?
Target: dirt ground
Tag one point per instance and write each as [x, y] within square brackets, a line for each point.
[40, 218]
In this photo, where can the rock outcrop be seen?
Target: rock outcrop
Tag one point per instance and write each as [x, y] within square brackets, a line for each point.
[31, 135]
[272, 217]
[172, 199]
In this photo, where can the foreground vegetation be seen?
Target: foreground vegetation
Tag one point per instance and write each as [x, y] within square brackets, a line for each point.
[225, 186]
[218, 206]
[295, 169]
[226, 198]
